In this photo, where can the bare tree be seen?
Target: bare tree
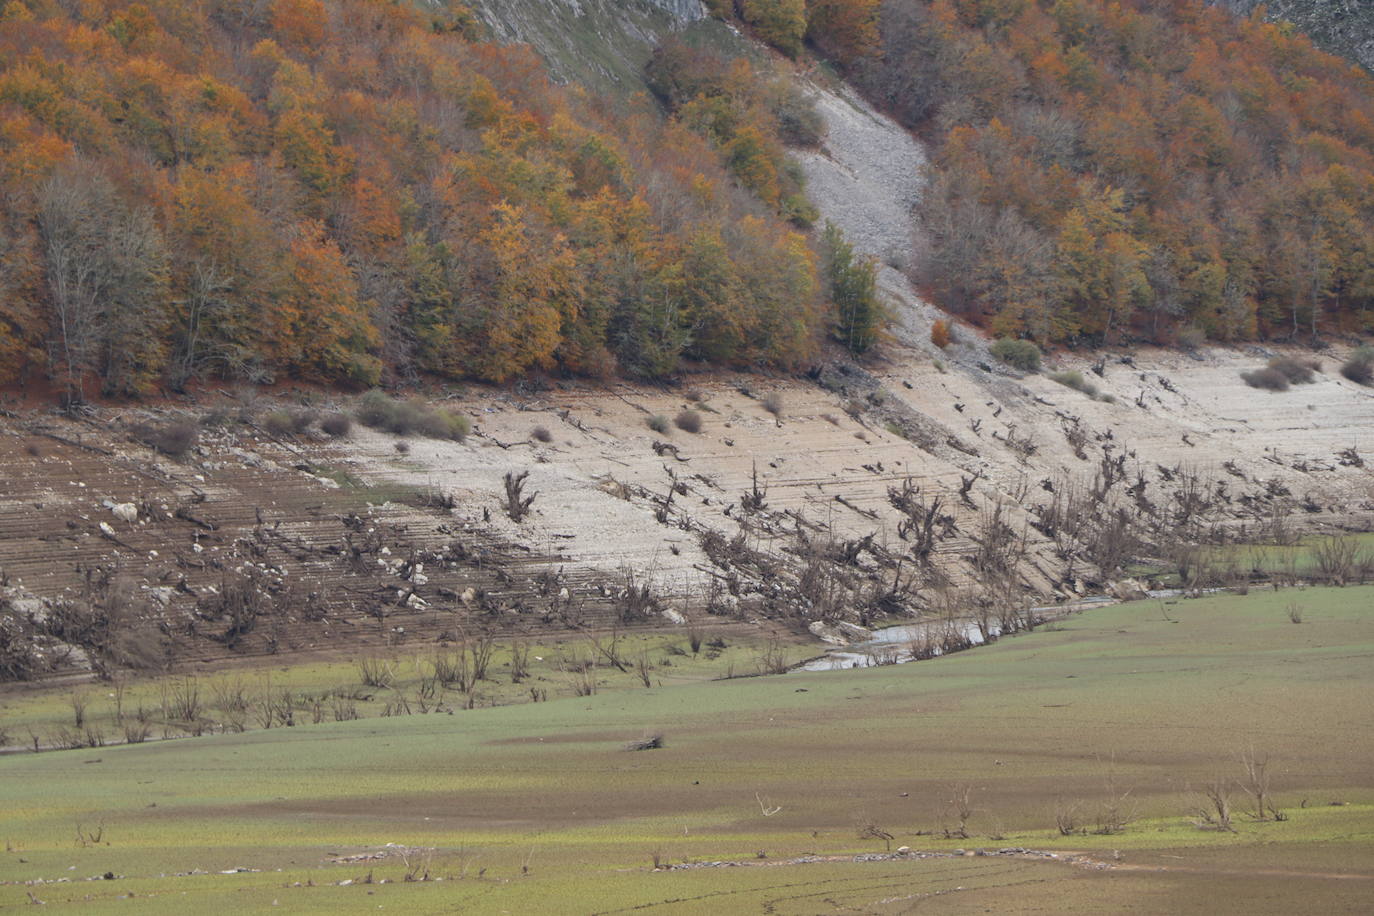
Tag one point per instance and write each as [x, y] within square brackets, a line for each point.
[73, 213]
[1256, 784]
[959, 805]
[107, 273]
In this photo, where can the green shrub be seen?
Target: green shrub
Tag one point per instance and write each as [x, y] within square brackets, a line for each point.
[1075, 380]
[1019, 354]
[404, 418]
[1359, 368]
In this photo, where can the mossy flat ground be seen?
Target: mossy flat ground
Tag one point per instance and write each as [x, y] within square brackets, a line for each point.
[539, 808]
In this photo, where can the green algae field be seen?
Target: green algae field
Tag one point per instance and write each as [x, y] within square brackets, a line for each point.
[1077, 768]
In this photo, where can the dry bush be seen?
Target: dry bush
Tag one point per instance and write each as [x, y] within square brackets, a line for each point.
[868, 829]
[336, 425]
[1297, 371]
[584, 680]
[772, 658]
[136, 732]
[772, 402]
[959, 806]
[302, 420]
[1266, 379]
[278, 423]
[1191, 337]
[1066, 817]
[376, 672]
[1339, 560]
[453, 670]
[541, 434]
[172, 439]
[658, 423]
[940, 333]
[1212, 810]
[689, 421]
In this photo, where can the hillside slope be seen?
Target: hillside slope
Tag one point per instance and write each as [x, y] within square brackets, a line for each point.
[804, 517]
[601, 44]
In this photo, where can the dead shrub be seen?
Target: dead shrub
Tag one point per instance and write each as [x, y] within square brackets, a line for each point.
[1337, 559]
[773, 403]
[517, 504]
[541, 434]
[1297, 371]
[1191, 337]
[1213, 809]
[959, 807]
[689, 421]
[1359, 368]
[658, 423]
[172, 439]
[376, 672]
[1066, 817]
[302, 420]
[278, 423]
[1266, 379]
[940, 333]
[772, 658]
[336, 425]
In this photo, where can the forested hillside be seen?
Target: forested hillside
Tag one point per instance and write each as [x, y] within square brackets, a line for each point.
[1112, 170]
[354, 190]
[1107, 170]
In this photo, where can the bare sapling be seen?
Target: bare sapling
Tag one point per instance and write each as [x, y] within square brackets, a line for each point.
[1212, 808]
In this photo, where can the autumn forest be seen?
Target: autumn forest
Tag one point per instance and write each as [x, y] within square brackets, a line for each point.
[359, 192]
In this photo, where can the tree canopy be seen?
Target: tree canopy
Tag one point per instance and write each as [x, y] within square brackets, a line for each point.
[345, 191]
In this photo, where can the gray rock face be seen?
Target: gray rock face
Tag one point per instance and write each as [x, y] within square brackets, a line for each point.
[1344, 27]
[602, 44]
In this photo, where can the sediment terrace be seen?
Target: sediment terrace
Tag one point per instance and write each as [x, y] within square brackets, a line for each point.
[254, 543]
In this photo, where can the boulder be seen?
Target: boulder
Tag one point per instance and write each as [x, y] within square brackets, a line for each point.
[1127, 589]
